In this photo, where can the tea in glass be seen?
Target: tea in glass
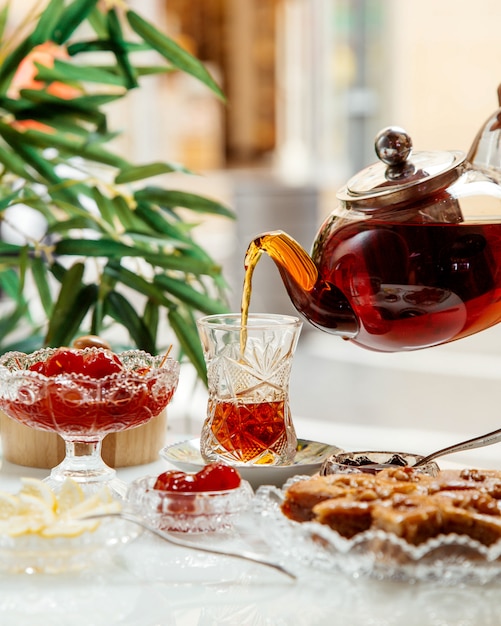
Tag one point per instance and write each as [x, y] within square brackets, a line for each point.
[248, 367]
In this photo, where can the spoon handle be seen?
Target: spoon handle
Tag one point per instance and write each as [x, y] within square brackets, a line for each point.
[476, 442]
[246, 555]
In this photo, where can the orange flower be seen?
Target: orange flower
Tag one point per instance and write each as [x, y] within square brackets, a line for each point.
[24, 78]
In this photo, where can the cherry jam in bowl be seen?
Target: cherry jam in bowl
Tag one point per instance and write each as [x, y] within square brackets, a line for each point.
[207, 501]
[371, 462]
[85, 394]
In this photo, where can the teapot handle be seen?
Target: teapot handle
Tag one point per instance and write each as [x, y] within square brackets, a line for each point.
[485, 151]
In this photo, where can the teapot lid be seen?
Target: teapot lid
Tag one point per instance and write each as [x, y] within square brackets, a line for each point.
[400, 175]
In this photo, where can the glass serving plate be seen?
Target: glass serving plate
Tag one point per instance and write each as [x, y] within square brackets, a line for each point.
[34, 554]
[448, 559]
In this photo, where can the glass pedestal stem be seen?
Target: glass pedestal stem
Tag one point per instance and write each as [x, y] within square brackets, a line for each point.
[84, 464]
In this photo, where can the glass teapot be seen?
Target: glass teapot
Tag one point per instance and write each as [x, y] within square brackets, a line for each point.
[410, 257]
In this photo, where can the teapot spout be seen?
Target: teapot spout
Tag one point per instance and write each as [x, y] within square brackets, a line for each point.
[319, 302]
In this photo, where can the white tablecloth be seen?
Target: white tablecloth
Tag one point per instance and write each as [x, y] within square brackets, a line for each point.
[150, 583]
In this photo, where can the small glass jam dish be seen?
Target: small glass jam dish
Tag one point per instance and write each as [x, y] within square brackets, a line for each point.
[372, 462]
[190, 512]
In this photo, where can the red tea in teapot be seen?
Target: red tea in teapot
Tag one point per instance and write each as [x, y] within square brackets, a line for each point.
[391, 286]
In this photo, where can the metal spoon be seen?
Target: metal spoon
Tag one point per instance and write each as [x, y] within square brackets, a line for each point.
[246, 555]
[476, 442]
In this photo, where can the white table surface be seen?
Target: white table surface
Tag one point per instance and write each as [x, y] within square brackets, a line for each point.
[150, 583]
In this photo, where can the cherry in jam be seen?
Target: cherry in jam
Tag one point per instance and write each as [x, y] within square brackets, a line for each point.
[175, 481]
[62, 361]
[217, 477]
[101, 364]
[96, 364]
[213, 477]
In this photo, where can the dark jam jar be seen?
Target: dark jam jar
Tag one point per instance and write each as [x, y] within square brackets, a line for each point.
[371, 462]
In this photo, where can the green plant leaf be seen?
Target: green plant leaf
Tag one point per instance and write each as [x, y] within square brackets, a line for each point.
[96, 248]
[64, 71]
[50, 209]
[10, 64]
[40, 276]
[71, 285]
[49, 18]
[79, 223]
[18, 142]
[9, 283]
[23, 261]
[126, 216]
[152, 216]
[172, 52]
[140, 172]
[193, 298]
[76, 125]
[20, 312]
[97, 317]
[105, 206]
[103, 45]
[26, 345]
[97, 20]
[12, 249]
[72, 17]
[119, 274]
[120, 309]
[92, 101]
[73, 148]
[83, 300]
[182, 263]
[15, 164]
[10, 322]
[120, 51]
[36, 102]
[187, 334]
[57, 270]
[9, 200]
[150, 240]
[112, 249]
[9, 262]
[151, 318]
[147, 70]
[4, 15]
[171, 198]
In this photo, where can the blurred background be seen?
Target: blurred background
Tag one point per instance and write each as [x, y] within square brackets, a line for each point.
[309, 83]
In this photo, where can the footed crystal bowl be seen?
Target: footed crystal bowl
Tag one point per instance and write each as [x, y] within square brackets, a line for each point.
[82, 409]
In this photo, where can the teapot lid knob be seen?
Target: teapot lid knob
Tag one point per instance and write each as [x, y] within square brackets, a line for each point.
[393, 145]
[399, 176]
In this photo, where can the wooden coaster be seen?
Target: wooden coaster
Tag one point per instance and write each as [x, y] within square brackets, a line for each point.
[35, 448]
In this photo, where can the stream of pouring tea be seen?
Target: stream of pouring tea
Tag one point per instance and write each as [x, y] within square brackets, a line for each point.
[251, 258]
[285, 252]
